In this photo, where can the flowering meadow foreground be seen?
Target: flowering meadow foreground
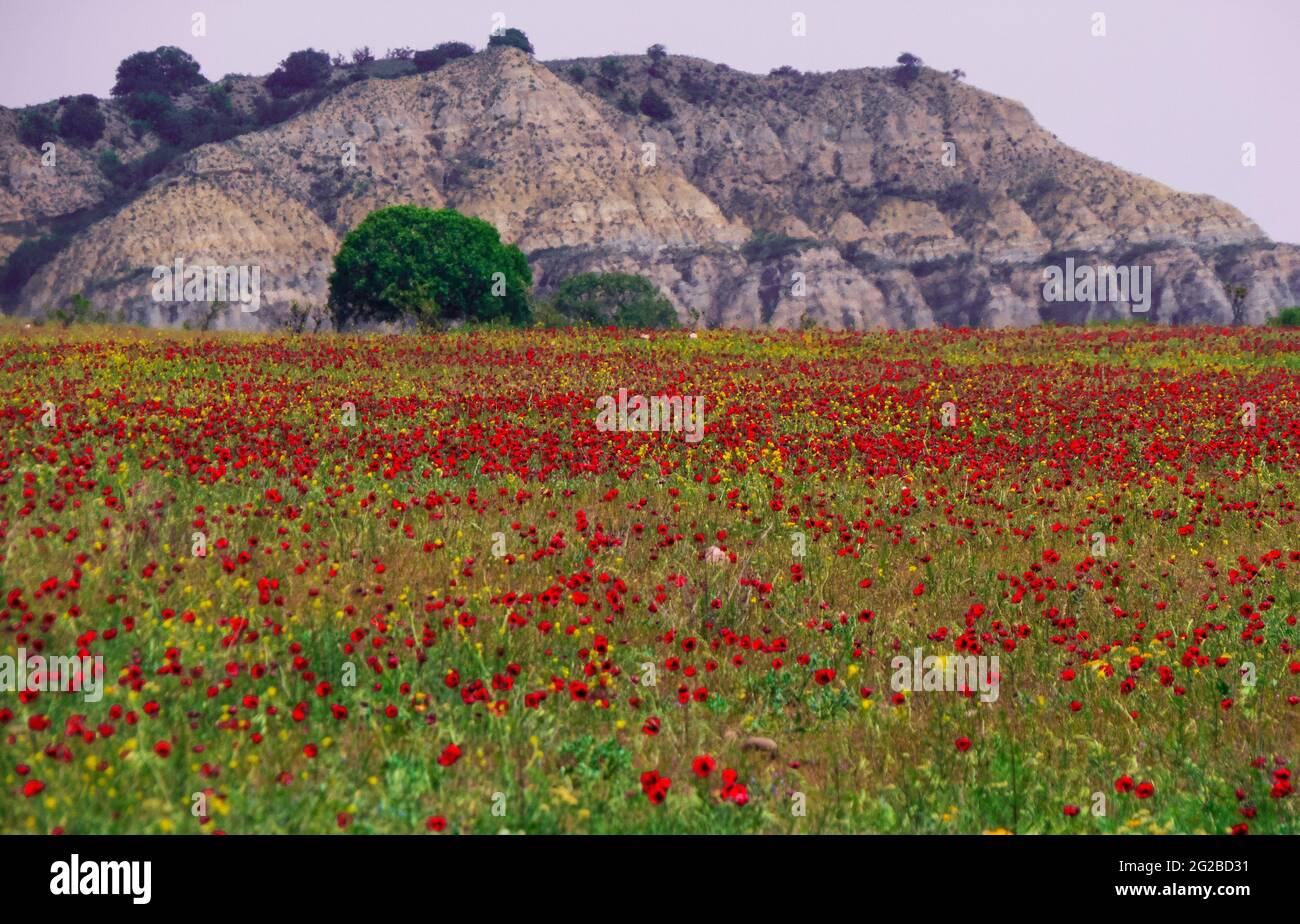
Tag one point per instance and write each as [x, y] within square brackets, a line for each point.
[406, 584]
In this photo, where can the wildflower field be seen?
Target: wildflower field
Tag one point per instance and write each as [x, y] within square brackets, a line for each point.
[405, 584]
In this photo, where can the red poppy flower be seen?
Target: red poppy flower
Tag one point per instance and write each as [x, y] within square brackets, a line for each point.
[655, 786]
[736, 792]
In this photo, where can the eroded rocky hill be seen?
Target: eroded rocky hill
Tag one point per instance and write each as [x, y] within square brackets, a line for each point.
[850, 199]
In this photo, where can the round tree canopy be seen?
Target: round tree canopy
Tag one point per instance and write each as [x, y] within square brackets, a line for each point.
[431, 266]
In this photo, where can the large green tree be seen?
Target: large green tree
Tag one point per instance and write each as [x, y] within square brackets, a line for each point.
[620, 299]
[431, 266]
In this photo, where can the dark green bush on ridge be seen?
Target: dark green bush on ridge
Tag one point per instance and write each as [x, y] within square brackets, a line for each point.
[148, 105]
[110, 164]
[167, 69]
[175, 125]
[610, 72]
[185, 128]
[406, 262]
[273, 111]
[81, 122]
[302, 70]
[438, 55]
[218, 99]
[35, 127]
[909, 68]
[512, 38]
[655, 106]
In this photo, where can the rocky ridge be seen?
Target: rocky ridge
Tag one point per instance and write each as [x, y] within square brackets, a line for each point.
[850, 200]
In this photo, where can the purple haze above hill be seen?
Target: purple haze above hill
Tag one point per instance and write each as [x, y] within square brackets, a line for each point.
[1172, 90]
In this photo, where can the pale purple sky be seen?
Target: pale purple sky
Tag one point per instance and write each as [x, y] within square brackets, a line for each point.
[1172, 90]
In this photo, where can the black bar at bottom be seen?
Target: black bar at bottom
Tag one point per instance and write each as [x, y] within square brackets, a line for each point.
[304, 874]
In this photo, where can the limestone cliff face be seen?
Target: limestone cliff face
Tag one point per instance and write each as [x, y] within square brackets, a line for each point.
[848, 199]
